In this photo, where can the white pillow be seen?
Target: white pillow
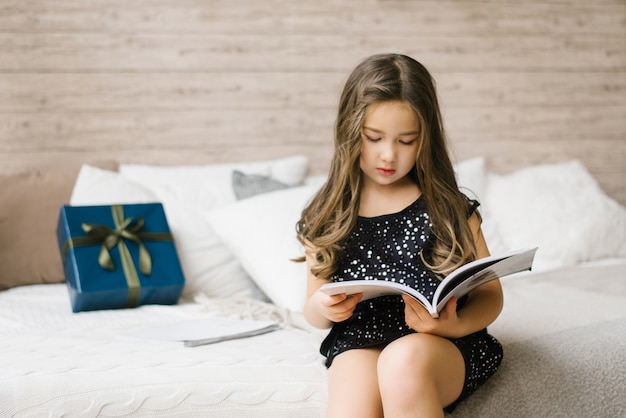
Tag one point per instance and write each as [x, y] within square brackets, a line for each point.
[96, 186]
[471, 177]
[209, 267]
[210, 186]
[261, 232]
[559, 208]
[187, 190]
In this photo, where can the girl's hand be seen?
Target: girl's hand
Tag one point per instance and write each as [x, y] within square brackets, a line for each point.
[419, 319]
[336, 308]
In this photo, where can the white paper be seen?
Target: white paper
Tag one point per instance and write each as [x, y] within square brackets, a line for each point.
[204, 331]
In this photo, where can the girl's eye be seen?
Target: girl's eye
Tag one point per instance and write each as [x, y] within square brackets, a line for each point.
[408, 142]
[372, 139]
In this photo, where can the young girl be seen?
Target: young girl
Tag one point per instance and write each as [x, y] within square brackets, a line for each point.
[391, 210]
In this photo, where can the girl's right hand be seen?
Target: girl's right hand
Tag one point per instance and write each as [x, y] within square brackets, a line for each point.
[336, 308]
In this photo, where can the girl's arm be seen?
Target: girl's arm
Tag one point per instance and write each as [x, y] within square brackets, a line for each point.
[320, 309]
[484, 303]
[482, 307]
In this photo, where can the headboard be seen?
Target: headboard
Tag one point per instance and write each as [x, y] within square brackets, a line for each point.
[196, 81]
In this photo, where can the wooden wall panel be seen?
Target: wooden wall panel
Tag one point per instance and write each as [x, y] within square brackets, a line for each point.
[196, 129]
[182, 52]
[109, 92]
[172, 81]
[409, 17]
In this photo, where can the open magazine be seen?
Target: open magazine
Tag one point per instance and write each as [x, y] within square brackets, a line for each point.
[458, 283]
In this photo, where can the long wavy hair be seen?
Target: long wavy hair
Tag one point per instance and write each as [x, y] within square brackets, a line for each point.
[332, 213]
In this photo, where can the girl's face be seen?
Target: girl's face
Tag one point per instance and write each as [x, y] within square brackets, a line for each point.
[389, 142]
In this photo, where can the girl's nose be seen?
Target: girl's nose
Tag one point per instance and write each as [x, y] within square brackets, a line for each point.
[388, 153]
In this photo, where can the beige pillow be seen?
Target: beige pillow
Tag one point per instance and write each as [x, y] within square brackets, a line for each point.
[29, 211]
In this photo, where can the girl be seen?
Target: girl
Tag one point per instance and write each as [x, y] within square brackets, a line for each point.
[391, 210]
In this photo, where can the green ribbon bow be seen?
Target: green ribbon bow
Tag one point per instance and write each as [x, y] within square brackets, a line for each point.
[125, 229]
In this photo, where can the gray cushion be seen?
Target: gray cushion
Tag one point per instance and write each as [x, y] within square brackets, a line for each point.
[248, 185]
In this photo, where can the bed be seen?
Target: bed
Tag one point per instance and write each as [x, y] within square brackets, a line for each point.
[562, 327]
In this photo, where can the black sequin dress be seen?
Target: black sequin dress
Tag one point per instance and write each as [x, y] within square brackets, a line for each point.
[387, 247]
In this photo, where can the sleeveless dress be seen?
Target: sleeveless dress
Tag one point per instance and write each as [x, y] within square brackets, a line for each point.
[387, 247]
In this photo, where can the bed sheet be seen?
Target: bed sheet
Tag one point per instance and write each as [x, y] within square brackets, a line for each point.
[55, 363]
[564, 339]
[563, 332]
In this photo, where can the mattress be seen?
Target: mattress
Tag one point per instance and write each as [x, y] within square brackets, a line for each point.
[563, 332]
[55, 363]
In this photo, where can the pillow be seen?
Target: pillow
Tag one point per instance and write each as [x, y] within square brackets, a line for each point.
[471, 176]
[248, 185]
[209, 267]
[185, 190]
[261, 232]
[29, 211]
[559, 208]
[96, 186]
[210, 186]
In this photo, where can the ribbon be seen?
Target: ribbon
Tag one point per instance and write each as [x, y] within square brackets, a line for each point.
[125, 229]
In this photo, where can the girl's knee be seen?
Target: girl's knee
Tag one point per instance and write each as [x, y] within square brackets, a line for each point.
[414, 349]
[415, 360]
[405, 357]
[406, 375]
[427, 366]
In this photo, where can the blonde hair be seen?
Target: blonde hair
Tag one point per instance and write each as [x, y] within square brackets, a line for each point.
[332, 213]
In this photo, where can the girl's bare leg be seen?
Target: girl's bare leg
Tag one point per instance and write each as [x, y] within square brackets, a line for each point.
[419, 375]
[353, 385]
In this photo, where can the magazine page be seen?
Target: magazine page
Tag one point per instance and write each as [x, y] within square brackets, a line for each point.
[372, 289]
[473, 267]
[483, 270]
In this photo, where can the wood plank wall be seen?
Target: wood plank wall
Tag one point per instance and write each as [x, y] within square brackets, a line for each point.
[193, 81]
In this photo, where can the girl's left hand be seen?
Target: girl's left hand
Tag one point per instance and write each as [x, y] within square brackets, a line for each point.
[419, 319]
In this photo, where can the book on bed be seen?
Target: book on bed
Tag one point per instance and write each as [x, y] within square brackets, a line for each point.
[204, 331]
[458, 283]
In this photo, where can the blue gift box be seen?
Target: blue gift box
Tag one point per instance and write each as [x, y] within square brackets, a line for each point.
[118, 256]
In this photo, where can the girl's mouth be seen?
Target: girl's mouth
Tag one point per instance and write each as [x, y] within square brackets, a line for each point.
[386, 171]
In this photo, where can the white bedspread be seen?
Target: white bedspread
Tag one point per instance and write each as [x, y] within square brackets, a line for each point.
[55, 363]
[564, 336]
